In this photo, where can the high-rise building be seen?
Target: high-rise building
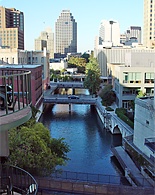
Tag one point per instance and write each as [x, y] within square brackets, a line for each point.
[109, 31]
[134, 32]
[46, 39]
[65, 33]
[149, 24]
[12, 27]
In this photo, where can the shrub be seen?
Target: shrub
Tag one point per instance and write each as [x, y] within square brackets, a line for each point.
[121, 113]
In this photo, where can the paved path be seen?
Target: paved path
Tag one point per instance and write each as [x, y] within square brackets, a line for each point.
[127, 163]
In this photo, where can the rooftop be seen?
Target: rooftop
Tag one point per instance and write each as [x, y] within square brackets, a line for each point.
[20, 66]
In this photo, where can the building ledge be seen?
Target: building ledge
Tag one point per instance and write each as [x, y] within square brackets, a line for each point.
[15, 119]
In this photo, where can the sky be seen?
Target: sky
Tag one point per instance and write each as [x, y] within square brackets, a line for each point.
[40, 14]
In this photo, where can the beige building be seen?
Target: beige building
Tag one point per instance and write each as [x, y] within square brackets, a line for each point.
[12, 28]
[24, 57]
[128, 81]
[46, 39]
[149, 24]
[134, 75]
[119, 55]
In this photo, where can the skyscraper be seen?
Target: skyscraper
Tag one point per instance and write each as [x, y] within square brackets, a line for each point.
[65, 33]
[149, 23]
[46, 39]
[109, 31]
[12, 27]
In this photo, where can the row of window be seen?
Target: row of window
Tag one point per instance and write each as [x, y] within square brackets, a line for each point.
[21, 60]
[9, 31]
[137, 75]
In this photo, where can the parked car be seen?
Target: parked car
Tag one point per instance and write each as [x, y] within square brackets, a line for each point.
[73, 97]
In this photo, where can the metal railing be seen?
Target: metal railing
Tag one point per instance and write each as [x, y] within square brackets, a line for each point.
[88, 177]
[15, 90]
[98, 178]
[20, 180]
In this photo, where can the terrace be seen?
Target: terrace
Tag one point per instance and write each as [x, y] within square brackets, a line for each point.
[15, 109]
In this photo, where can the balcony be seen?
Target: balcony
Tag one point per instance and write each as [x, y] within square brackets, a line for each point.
[15, 109]
[15, 98]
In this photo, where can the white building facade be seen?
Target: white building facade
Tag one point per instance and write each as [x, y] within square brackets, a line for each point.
[144, 126]
[109, 31]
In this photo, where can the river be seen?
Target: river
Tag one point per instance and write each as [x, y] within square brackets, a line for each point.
[89, 142]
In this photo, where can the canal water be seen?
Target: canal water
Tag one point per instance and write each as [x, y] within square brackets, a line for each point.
[89, 142]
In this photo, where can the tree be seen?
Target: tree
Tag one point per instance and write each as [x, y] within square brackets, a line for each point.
[80, 63]
[108, 96]
[33, 149]
[86, 56]
[92, 79]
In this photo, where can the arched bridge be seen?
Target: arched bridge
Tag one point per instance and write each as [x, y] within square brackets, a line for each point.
[116, 126]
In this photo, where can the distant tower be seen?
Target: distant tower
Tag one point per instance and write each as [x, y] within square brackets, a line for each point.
[12, 27]
[149, 23]
[65, 33]
[46, 39]
[109, 31]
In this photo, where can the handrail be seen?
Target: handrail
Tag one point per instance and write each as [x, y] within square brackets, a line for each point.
[96, 178]
[22, 181]
[5, 185]
[15, 90]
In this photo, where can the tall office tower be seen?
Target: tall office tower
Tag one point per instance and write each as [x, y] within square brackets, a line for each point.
[46, 39]
[134, 31]
[12, 27]
[149, 23]
[65, 33]
[109, 31]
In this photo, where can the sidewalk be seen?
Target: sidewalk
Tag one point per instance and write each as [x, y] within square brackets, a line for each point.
[129, 167]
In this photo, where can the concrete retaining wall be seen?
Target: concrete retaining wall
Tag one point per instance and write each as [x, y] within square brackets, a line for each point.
[47, 185]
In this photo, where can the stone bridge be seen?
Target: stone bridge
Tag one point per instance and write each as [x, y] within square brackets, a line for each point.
[111, 122]
[116, 125]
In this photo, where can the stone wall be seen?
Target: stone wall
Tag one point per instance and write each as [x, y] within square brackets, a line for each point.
[47, 185]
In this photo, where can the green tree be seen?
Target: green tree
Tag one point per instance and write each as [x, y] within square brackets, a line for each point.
[108, 96]
[33, 149]
[86, 56]
[92, 78]
[140, 94]
[80, 63]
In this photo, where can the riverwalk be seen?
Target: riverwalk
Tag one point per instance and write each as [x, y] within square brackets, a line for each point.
[132, 173]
